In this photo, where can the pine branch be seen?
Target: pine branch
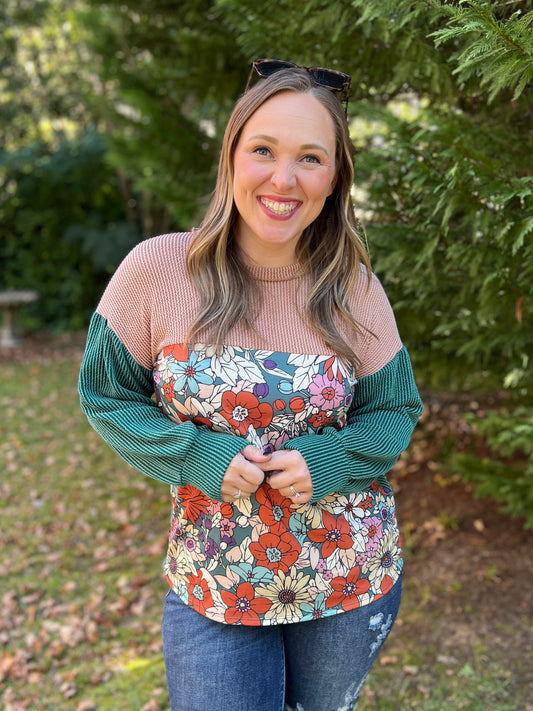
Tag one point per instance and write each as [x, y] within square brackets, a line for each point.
[502, 52]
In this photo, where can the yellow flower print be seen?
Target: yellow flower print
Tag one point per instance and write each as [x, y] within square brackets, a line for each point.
[287, 592]
[177, 565]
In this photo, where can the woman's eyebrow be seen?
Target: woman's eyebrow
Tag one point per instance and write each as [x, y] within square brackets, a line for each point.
[263, 137]
[314, 147]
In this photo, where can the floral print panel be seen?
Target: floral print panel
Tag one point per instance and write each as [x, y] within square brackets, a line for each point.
[265, 560]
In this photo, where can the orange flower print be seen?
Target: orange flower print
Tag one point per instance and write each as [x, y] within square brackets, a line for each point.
[193, 501]
[178, 351]
[386, 585]
[336, 534]
[168, 391]
[276, 552]
[366, 503]
[199, 594]
[274, 510]
[297, 404]
[376, 486]
[243, 409]
[320, 419]
[328, 369]
[243, 607]
[346, 590]
[226, 510]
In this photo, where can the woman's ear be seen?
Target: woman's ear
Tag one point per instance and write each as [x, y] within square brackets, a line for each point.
[332, 186]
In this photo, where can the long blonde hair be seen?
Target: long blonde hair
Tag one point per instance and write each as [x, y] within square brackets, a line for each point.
[330, 249]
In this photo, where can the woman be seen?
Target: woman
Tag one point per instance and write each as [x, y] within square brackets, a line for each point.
[283, 395]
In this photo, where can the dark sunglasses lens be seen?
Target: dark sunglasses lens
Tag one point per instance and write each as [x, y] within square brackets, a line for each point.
[332, 80]
[268, 67]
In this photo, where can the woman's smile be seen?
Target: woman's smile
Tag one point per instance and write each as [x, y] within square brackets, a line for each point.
[279, 208]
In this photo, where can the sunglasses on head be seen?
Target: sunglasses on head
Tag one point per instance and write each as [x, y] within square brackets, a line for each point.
[331, 79]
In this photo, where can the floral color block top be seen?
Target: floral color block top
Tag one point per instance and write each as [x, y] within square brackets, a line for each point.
[181, 413]
[264, 559]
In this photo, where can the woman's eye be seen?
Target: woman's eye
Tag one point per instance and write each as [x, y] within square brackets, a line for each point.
[311, 159]
[261, 151]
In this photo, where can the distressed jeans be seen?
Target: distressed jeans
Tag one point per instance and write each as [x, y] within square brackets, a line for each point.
[308, 666]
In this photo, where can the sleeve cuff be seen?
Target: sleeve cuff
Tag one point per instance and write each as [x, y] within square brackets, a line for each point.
[207, 460]
[332, 473]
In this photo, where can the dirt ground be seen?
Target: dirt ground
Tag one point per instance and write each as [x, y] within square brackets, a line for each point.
[469, 564]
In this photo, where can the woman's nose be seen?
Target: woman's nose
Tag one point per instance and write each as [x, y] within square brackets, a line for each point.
[283, 177]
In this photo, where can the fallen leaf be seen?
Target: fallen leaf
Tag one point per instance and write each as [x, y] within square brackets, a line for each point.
[86, 706]
[386, 661]
[410, 669]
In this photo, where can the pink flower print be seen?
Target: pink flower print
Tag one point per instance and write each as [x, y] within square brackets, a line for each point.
[374, 527]
[325, 393]
[361, 558]
[226, 530]
[175, 529]
[322, 566]
[190, 545]
[214, 507]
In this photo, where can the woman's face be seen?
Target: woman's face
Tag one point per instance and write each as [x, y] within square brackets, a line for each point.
[284, 169]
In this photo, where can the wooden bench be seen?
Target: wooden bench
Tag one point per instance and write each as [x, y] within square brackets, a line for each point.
[9, 303]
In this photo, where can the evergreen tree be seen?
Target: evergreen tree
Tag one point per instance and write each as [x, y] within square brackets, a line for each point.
[450, 199]
[170, 71]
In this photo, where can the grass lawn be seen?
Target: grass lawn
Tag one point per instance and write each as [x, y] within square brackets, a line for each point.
[82, 537]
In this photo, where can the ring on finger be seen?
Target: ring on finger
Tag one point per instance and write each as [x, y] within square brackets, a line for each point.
[295, 493]
[237, 495]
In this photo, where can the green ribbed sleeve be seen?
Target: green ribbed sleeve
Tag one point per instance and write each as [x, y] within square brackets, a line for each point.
[116, 395]
[380, 421]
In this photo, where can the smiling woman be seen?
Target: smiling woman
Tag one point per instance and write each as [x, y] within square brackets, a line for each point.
[255, 366]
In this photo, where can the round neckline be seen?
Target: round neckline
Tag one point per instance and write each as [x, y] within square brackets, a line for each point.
[284, 273]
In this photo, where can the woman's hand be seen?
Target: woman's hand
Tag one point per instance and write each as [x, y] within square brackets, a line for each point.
[244, 474]
[290, 475]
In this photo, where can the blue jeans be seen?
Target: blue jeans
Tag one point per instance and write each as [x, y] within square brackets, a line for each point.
[307, 666]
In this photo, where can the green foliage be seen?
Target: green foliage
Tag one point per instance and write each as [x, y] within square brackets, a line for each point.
[44, 81]
[451, 240]
[509, 481]
[62, 228]
[498, 49]
[448, 200]
[171, 73]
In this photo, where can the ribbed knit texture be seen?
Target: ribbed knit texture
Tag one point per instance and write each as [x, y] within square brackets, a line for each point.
[150, 303]
[380, 422]
[116, 396]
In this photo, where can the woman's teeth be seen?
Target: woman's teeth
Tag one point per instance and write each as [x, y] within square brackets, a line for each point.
[280, 208]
